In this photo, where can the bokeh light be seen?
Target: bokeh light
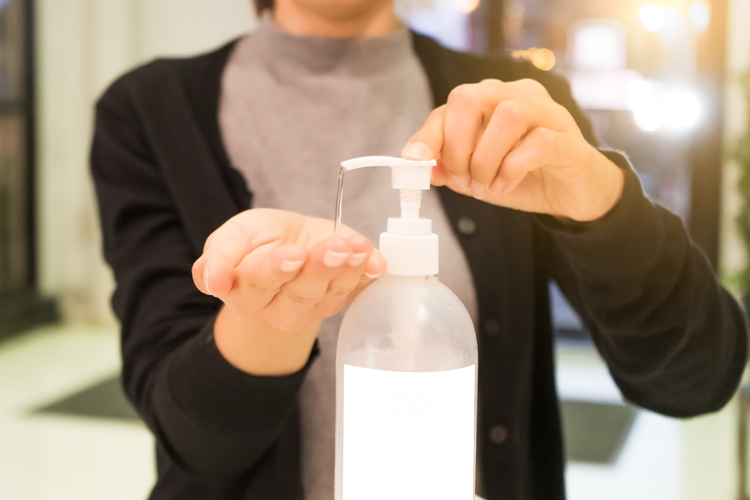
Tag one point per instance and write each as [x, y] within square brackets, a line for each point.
[641, 94]
[681, 109]
[467, 6]
[597, 45]
[652, 17]
[543, 59]
[647, 119]
[642, 97]
[699, 15]
[676, 110]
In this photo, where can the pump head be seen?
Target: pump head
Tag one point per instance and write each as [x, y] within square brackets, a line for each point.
[409, 245]
[406, 174]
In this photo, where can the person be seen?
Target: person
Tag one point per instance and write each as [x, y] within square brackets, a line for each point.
[216, 180]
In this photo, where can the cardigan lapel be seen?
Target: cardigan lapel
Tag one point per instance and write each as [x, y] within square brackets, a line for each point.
[441, 79]
[192, 171]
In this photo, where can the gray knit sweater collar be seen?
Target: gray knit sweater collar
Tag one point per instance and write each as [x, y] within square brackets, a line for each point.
[358, 57]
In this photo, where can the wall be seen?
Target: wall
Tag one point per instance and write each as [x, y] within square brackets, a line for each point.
[82, 45]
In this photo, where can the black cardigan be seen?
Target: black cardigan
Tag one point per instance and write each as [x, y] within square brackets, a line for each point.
[673, 339]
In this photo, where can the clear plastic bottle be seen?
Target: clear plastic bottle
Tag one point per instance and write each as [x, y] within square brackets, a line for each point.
[406, 372]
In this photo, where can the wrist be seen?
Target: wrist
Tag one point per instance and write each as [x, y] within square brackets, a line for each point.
[258, 348]
[603, 188]
[613, 185]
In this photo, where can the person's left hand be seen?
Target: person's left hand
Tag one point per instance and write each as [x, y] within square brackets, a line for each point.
[511, 145]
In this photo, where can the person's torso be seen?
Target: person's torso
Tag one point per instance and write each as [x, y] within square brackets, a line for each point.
[291, 110]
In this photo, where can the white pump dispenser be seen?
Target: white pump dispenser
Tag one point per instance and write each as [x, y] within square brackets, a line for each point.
[406, 367]
[409, 246]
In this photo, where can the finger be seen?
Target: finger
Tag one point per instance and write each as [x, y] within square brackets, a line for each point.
[463, 121]
[262, 273]
[511, 120]
[428, 141]
[374, 269]
[213, 272]
[344, 283]
[539, 148]
[525, 88]
[509, 123]
[376, 266]
[325, 261]
[438, 175]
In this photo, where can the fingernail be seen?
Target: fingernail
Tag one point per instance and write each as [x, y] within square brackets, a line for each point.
[205, 279]
[335, 259]
[477, 190]
[373, 276]
[418, 151]
[357, 259]
[289, 266]
[461, 182]
[497, 186]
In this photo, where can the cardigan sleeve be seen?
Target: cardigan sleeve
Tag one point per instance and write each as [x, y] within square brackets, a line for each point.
[214, 421]
[674, 340]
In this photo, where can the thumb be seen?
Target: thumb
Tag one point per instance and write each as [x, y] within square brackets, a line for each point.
[428, 141]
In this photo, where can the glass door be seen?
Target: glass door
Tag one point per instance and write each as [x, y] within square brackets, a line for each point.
[20, 306]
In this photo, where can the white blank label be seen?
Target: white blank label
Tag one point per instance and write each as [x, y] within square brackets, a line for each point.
[408, 436]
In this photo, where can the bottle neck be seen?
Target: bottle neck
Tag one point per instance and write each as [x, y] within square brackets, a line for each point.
[410, 247]
[394, 278]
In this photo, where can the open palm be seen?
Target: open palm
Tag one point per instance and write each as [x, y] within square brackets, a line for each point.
[284, 268]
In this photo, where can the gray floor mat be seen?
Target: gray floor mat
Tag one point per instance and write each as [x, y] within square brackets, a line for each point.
[104, 399]
[593, 432]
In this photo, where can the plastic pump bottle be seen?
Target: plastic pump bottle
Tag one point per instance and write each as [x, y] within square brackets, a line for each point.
[406, 368]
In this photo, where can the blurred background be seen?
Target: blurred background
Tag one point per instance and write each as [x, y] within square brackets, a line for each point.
[662, 80]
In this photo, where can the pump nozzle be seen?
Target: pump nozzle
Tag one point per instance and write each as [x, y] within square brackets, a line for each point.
[406, 174]
[410, 176]
[409, 245]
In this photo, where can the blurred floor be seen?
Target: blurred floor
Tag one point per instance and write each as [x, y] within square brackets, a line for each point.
[650, 462]
[53, 379]
[54, 457]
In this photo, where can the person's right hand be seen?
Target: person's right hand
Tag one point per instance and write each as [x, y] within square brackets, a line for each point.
[285, 269]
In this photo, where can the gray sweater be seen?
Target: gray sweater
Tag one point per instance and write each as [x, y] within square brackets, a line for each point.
[291, 109]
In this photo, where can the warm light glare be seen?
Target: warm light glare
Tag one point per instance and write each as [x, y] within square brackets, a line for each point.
[652, 17]
[699, 14]
[543, 59]
[647, 119]
[641, 94]
[598, 45]
[676, 110]
[642, 100]
[467, 6]
[680, 109]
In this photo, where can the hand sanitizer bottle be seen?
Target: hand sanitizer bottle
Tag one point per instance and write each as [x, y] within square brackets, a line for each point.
[406, 368]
